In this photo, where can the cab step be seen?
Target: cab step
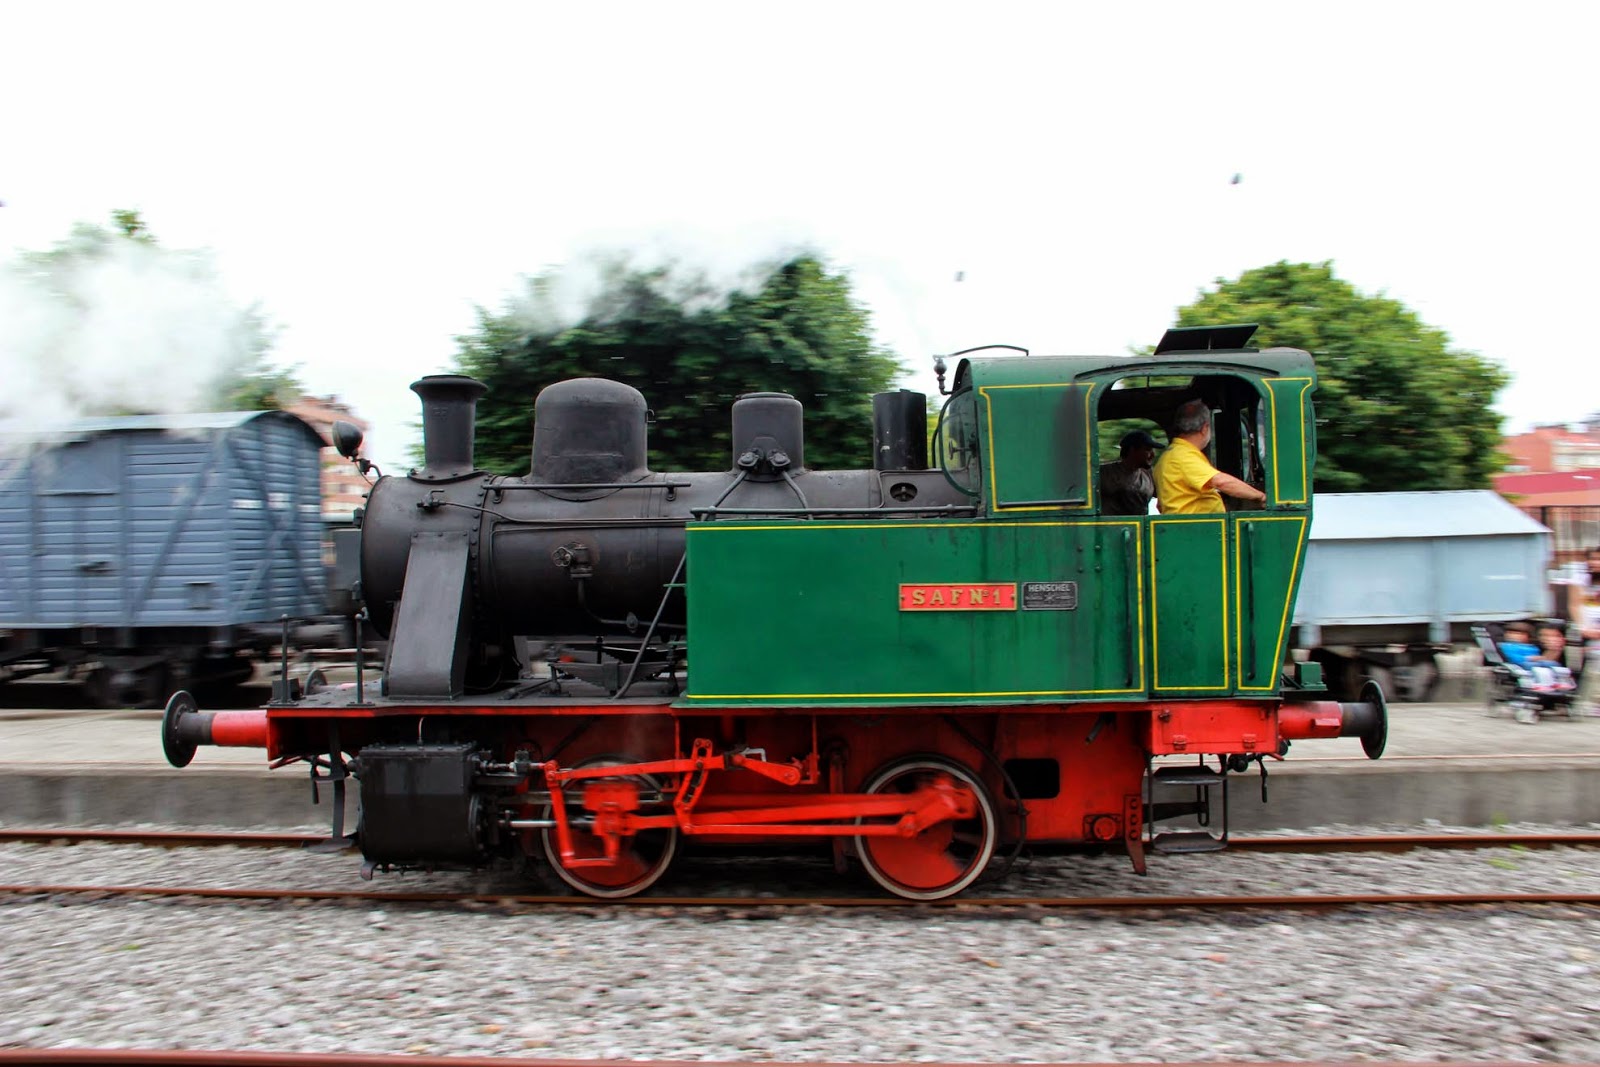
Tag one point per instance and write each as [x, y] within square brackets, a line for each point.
[1203, 777]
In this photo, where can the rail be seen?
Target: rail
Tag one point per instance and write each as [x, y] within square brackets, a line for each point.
[1219, 902]
[1285, 843]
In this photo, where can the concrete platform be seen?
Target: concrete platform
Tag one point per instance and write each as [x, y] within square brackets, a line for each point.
[1452, 763]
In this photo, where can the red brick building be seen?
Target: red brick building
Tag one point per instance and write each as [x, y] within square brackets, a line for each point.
[1548, 490]
[343, 489]
[1546, 449]
[1553, 474]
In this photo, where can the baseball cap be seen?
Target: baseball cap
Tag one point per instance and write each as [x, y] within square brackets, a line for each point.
[1138, 439]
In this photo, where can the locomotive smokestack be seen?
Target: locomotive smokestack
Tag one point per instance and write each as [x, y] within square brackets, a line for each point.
[449, 409]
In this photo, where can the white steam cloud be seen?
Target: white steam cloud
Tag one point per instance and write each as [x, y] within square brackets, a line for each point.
[112, 325]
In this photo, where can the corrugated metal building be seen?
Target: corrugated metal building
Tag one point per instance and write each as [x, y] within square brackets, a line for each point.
[1392, 578]
[1391, 567]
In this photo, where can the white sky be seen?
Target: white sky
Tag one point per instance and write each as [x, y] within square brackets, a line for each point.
[371, 172]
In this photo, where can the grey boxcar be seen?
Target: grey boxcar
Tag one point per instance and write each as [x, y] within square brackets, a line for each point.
[156, 551]
[1393, 578]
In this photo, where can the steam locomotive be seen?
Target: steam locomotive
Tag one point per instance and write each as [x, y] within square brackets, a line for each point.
[927, 666]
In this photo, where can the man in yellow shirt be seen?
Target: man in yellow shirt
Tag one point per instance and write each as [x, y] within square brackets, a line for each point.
[1186, 482]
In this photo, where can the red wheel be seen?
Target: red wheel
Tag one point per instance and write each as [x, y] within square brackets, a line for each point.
[945, 858]
[645, 857]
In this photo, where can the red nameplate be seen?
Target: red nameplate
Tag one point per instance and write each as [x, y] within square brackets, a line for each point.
[959, 596]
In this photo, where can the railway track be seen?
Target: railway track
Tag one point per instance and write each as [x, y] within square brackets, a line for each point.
[1268, 902]
[1384, 843]
[117, 1057]
[1297, 843]
[139, 1057]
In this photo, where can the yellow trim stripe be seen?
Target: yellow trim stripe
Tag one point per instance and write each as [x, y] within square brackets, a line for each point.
[917, 696]
[878, 524]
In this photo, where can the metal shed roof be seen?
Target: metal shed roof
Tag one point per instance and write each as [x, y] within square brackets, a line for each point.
[1457, 513]
[198, 422]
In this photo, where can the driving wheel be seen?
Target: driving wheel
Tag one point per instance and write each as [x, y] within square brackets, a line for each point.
[945, 858]
[645, 856]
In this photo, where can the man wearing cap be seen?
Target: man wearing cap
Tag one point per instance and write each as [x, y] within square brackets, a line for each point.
[1125, 485]
[1186, 482]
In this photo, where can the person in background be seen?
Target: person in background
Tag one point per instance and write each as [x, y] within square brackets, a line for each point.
[1552, 639]
[1519, 650]
[1586, 617]
[1126, 485]
[1186, 482]
[1516, 643]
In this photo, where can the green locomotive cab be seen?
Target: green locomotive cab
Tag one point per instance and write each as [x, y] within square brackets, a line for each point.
[1037, 593]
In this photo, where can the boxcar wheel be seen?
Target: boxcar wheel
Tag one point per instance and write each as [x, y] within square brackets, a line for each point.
[644, 859]
[127, 687]
[97, 688]
[942, 860]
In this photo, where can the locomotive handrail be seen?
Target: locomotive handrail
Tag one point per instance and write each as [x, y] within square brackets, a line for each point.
[574, 524]
[655, 622]
[542, 487]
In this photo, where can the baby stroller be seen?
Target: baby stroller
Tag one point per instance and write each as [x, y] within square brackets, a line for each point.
[1526, 695]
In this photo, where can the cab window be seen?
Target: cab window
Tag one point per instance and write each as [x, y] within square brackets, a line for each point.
[1041, 445]
[1149, 402]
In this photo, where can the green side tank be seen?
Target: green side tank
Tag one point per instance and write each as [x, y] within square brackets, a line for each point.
[1039, 594]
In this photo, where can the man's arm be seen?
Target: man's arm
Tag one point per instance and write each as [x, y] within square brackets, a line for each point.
[1228, 485]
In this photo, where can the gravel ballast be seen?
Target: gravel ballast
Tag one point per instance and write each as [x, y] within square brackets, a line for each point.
[746, 982]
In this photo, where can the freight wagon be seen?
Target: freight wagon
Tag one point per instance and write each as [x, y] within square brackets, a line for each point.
[145, 552]
[1394, 579]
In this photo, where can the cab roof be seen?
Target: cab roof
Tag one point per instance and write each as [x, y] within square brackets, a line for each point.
[1032, 370]
[1192, 350]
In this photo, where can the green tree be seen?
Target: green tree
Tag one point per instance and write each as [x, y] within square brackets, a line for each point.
[691, 353]
[119, 324]
[259, 387]
[1397, 406]
[131, 225]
